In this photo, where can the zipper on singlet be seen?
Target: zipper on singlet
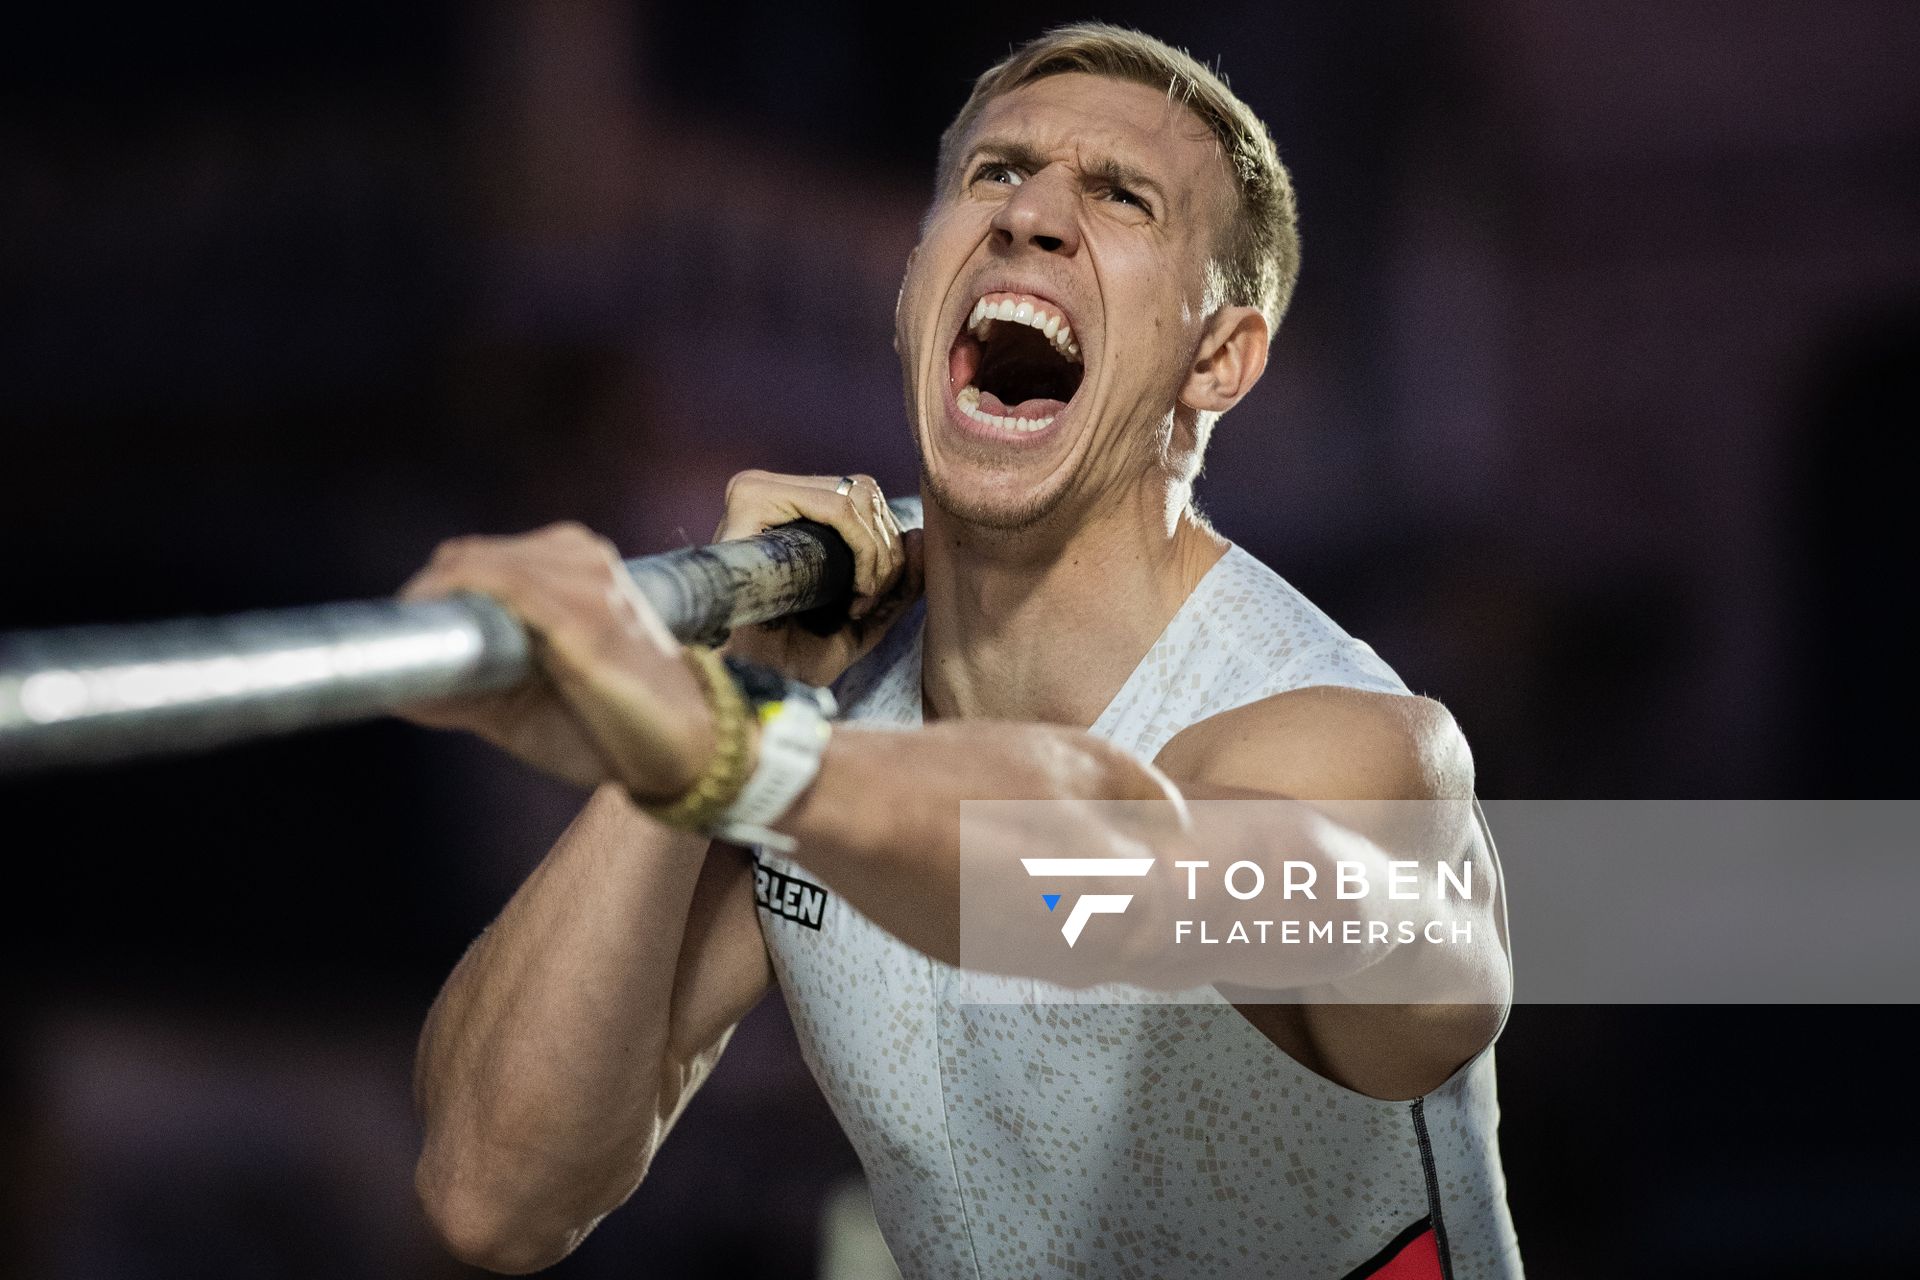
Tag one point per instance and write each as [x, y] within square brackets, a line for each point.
[1433, 1188]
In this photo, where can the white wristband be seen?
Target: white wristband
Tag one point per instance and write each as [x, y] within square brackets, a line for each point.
[793, 738]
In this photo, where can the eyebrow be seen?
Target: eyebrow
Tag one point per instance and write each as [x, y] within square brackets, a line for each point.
[1106, 169]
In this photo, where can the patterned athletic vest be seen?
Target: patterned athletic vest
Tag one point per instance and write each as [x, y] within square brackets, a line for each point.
[1129, 1142]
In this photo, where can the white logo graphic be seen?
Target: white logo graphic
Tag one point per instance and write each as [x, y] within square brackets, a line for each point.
[1091, 904]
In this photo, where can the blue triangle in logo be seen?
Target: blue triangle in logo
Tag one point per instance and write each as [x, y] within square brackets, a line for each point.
[1051, 899]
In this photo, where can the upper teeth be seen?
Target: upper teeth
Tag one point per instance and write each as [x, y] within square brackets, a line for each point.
[1025, 311]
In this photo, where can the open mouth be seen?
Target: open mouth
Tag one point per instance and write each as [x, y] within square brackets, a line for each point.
[1016, 363]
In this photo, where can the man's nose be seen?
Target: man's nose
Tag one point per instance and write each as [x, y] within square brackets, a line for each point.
[1040, 213]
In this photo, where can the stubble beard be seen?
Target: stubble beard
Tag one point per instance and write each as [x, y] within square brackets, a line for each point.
[982, 513]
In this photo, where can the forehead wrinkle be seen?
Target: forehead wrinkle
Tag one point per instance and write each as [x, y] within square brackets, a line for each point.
[1094, 159]
[1121, 133]
[1120, 173]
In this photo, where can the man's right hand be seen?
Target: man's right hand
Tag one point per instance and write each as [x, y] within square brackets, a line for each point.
[886, 577]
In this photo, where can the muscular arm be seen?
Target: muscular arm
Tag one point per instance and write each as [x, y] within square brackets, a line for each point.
[574, 1031]
[882, 825]
[576, 1028]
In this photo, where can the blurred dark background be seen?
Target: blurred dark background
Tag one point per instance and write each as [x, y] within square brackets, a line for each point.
[1595, 414]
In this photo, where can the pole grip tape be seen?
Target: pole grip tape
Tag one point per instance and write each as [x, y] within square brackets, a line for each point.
[836, 580]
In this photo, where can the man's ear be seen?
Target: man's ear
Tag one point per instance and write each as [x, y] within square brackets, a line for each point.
[1233, 355]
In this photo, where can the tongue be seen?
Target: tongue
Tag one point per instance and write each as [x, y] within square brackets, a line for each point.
[991, 403]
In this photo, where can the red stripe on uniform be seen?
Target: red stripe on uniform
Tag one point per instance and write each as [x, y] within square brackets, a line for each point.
[1419, 1260]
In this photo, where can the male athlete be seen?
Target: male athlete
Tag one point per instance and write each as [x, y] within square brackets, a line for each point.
[1109, 249]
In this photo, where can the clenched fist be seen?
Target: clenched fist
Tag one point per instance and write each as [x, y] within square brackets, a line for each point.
[886, 576]
[612, 700]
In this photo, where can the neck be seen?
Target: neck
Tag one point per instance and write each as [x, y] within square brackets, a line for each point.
[1047, 624]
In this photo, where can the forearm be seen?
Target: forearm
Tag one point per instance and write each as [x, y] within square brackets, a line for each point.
[542, 1076]
[882, 821]
[882, 826]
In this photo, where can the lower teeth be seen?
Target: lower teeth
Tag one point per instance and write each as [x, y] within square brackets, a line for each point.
[969, 401]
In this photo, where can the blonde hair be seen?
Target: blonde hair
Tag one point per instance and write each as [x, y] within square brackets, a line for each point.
[1259, 258]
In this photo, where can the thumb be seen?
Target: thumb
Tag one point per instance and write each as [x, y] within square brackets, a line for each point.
[913, 578]
[907, 588]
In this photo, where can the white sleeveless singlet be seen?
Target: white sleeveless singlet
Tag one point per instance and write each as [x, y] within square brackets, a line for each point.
[1128, 1141]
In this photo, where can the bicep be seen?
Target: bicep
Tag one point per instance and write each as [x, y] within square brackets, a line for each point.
[1395, 770]
[1325, 743]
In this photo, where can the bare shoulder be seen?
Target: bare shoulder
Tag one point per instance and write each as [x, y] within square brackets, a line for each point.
[1328, 743]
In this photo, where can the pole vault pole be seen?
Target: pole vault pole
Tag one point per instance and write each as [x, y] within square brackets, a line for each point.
[86, 695]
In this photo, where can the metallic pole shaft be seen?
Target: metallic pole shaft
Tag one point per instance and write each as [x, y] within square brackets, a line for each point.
[94, 694]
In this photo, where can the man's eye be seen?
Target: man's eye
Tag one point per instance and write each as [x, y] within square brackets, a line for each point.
[997, 173]
[1124, 196]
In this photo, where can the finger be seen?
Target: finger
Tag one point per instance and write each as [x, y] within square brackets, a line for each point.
[757, 501]
[748, 500]
[869, 506]
[430, 582]
[752, 499]
[744, 499]
[913, 566]
[913, 554]
[873, 554]
[568, 543]
[564, 583]
[892, 557]
[907, 589]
